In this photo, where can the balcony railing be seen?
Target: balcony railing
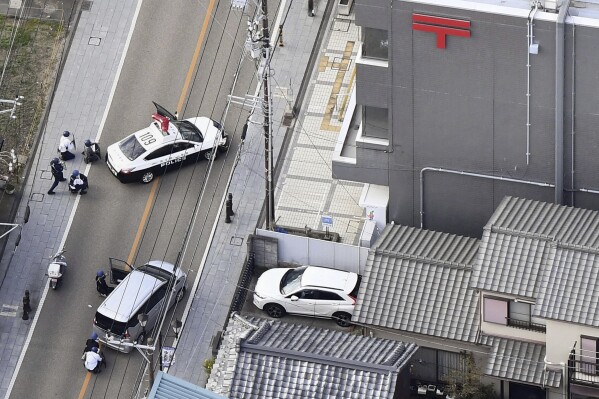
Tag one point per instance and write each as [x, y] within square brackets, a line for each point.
[526, 325]
[583, 372]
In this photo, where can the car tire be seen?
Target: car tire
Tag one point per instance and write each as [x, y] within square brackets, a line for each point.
[180, 295]
[225, 147]
[342, 319]
[275, 311]
[208, 155]
[147, 177]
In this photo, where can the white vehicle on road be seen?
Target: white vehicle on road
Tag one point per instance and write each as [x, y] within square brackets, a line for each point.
[166, 143]
[309, 291]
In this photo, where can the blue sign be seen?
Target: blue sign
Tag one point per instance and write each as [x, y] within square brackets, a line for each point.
[326, 221]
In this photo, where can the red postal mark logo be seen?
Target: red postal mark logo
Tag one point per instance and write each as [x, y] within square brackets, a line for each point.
[441, 26]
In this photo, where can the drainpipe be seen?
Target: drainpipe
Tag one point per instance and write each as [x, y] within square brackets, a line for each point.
[563, 368]
[559, 102]
[572, 112]
[461, 172]
[529, 37]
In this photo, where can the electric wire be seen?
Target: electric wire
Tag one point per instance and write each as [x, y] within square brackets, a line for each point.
[152, 211]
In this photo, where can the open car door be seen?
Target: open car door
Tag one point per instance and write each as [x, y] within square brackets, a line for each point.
[119, 270]
[163, 111]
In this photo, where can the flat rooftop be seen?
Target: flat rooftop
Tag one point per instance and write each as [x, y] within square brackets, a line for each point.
[580, 12]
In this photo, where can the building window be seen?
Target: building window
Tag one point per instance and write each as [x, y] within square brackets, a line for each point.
[588, 355]
[375, 43]
[375, 122]
[512, 313]
[496, 311]
[519, 313]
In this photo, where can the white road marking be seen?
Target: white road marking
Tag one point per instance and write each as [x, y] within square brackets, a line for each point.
[9, 310]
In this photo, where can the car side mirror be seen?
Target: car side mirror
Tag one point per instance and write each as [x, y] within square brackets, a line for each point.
[294, 298]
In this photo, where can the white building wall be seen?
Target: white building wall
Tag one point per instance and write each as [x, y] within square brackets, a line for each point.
[562, 336]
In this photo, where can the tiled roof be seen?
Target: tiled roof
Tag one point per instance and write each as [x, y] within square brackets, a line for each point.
[545, 252]
[168, 387]
[276, 360]
[520, 361]
[418, 281]
[569, 288]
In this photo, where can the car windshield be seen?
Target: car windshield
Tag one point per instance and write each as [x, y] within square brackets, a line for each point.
[188, 131]
[156, 272]
[292, 280]
[131, 147]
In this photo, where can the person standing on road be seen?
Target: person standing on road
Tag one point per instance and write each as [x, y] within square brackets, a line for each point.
[65, 146]
[57, 169]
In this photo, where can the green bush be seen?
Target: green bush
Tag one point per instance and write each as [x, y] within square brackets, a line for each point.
[208, 364]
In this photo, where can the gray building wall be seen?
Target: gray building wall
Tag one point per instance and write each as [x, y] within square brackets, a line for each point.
[464, 108]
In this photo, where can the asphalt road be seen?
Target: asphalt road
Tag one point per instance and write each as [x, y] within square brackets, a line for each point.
[107, 219]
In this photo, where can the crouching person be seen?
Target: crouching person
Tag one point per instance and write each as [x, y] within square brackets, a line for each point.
[78, 183]
[92, 152]
[93, 360]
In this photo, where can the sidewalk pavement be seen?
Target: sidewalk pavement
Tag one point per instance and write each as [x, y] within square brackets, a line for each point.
[78, 105]
[304, 192]
[305, 189]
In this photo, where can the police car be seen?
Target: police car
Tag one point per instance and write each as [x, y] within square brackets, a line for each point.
[166, 143]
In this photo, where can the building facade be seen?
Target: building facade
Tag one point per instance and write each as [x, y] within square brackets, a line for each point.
[459, 103]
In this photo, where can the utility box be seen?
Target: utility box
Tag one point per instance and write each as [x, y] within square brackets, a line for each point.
[344, 7]
[375, 200]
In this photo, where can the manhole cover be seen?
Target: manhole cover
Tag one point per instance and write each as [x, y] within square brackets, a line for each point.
[341, 25]
[237, 241]
[37, 197]
[86, 5]
[94, 41]
[46, 175]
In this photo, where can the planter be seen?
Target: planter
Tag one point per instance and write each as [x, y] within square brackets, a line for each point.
[344, 7]
[9, 188]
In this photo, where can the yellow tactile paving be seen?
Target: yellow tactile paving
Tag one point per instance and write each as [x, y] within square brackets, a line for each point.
[342, 66]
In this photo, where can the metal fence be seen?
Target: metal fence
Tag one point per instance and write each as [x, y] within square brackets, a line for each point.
[244, 283]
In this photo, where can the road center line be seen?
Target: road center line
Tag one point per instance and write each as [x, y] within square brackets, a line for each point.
[144, 219]
[196, 54]
[152, 194]
[88, 377]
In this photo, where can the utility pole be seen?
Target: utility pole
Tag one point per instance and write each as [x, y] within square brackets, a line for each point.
[268, 157]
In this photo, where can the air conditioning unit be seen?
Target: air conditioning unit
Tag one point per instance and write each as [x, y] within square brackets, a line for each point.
[549, 5]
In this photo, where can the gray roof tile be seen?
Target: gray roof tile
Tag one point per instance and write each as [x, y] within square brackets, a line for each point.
[417, 280]
[545, 252]
[520, 361]
[276, 360]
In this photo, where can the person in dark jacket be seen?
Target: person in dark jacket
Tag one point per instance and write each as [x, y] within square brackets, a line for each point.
[78, 183]
[91, 152]
[101, 285]
[92, 342]
[57, 169]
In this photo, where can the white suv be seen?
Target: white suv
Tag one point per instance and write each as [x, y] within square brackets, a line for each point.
[309, 291]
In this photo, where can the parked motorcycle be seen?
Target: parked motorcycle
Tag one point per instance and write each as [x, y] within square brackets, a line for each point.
[58, 264]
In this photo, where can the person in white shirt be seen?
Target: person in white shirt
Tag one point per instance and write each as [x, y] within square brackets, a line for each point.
[65, 146]
[93, 360]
